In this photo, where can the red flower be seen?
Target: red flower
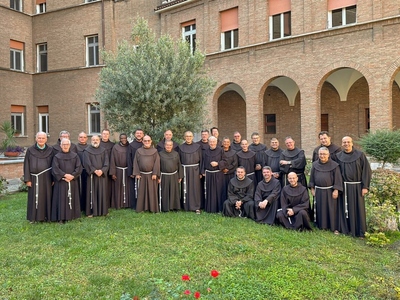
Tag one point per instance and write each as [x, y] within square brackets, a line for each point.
[187, 292]
[214, 273]
[135, 298]
[185, 277]
[196, 295]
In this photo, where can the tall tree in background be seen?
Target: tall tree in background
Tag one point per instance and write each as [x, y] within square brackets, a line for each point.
[155, 84]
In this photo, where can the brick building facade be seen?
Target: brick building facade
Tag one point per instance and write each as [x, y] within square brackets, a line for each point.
[282, 67]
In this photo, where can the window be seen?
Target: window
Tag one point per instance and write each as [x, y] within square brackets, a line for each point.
[270, 123]
[17, 119]
[342, 12]
[42, 57]
[92, 51]
[229, 29]
[367, 120]
[87, 1]
[280, 25]
[189, 34]
[16, 4]
[16, 55]
[43, 118]
[230, 39]
[279, 19]
[40, 6]
[94, 119]
[324, 122]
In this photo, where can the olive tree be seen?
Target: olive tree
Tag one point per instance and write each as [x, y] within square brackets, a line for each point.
[154, 84]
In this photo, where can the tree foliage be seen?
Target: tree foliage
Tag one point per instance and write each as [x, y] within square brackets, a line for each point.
[154, 84]
[382, 145]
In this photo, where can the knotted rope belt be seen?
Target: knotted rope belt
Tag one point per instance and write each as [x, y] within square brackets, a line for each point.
[123, 180]
[184, 180]
[37, 185]
[315, 199]
[345, 195]
[159, 186]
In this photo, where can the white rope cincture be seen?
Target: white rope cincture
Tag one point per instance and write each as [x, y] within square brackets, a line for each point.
[123, 180]
[159, 186]
[345, 196]
[69, 195]
[184, 180]
[205, 181]
[315, 199]
[37, 185]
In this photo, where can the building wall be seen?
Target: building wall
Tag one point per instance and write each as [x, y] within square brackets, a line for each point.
[396, 106]
[308, 58]
[67, 95]
[287, 117]
[11, 170]
[231, 108]
[69, 86]
[66, 44]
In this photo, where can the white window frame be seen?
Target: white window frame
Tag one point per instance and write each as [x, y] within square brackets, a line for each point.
[344, 20]
[44, 127]
[190, 36]
[13, 59]
[92, 47]
[41, 8]
[17, 4]
[14, 122]
[93, 114]
[232, 33]
[40, 54]
[282, 26]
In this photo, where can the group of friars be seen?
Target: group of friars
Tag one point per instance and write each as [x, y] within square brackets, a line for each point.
[238, 179]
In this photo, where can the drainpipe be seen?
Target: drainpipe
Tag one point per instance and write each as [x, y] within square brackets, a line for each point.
[103, 26]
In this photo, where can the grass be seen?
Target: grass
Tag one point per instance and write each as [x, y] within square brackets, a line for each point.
[146, 255]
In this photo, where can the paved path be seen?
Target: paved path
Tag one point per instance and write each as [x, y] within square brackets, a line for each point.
[13, 185]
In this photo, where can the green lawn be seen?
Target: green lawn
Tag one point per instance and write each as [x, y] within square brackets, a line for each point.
[147, 254]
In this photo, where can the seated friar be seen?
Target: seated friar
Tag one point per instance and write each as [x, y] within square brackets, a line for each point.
[240, 201]
[295, 202]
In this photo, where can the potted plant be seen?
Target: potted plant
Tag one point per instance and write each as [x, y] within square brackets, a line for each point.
[9, 145]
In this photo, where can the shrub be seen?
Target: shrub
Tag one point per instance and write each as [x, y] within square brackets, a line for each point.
[3, 185]
[307, 170]
[382, 200]
[377, 239]
[22, 186]
[382, 145]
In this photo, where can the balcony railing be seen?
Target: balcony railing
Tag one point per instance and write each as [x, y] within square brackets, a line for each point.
[165, 4]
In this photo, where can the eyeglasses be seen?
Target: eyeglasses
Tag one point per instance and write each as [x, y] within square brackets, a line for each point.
[146, 140]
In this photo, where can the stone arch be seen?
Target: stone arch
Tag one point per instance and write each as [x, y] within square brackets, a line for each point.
[230, 101]
[280, 103]
[327, 70]
[344, 101]
[392, 78]
[394, 94]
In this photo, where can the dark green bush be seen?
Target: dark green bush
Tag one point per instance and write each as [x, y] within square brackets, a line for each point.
[382, 145]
